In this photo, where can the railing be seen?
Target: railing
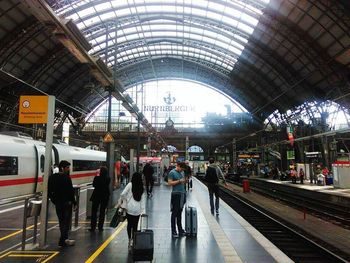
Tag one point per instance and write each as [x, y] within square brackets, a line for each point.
[132, 127]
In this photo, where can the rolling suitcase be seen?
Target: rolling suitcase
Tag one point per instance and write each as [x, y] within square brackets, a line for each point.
[143, 244]
[191, 221]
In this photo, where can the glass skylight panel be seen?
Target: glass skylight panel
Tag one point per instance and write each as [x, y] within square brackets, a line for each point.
[103, 6]
[153, 8]
[73, 16]
[194, 32]
[213, 15]
[86, 12]
[251, 20]
[141, 9]
[91, 21]
[234, 13]
[108, 15]
[244, 40]
[148, 34]
[187, 10]
[123, 12]
[218, 7]
[199, 12]
[245, 28]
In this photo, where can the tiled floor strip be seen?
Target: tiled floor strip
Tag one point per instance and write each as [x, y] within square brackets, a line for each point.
[228, 251]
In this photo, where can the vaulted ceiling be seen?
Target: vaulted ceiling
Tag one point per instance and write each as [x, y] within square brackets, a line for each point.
[265, 55]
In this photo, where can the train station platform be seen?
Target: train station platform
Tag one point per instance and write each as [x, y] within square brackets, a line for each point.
[224, 238]
[323, 193]
[322, 231]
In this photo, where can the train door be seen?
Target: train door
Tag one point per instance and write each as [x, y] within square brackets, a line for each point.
[40, 162]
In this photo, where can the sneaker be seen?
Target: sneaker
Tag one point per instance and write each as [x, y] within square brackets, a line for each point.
[130, 245]
[217, 212]
[91, 230]
[174, 235]
[212, 212]
[61, 245]
[182, 233]
[69, 242]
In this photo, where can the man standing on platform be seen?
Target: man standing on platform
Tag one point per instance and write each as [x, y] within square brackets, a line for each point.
[61, 193]
[178, 181]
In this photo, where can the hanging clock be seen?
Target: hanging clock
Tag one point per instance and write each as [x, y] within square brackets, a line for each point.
[169, 123]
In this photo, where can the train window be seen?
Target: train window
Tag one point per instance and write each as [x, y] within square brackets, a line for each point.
[84, 165]
[8, 165]
[42, 163]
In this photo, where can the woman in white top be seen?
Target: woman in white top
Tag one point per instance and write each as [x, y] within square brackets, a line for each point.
[133, 195]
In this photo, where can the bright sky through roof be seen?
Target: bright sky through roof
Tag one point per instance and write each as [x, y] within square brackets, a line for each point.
[189, 102]
[214, 31]
[197, 98]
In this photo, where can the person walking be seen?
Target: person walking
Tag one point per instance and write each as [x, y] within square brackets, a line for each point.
[177, 180]
[301, 175]
[188, 175]
[148, 173]
[99, 198]
[212, 175]
[61, 194]
[293, 175]
[134, 199]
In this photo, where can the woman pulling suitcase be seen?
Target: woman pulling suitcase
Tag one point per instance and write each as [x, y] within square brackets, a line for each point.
[134, 201]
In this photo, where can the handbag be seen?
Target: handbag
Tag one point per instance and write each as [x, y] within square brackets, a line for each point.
[119, 216]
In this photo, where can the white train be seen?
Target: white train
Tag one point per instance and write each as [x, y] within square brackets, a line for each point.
[22, 164]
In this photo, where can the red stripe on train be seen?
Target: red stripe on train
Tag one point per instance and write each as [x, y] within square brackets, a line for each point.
[32, 180]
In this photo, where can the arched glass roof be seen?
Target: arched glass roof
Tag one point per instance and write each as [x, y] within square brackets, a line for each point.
[212, 33]
[336, 116]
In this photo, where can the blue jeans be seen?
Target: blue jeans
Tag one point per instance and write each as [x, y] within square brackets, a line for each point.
[214, 190]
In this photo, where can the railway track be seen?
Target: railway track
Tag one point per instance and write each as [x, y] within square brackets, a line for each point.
[338, 215]
[297, 246]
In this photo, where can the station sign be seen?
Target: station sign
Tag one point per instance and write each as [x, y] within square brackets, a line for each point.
[33, 109]
[108, 137]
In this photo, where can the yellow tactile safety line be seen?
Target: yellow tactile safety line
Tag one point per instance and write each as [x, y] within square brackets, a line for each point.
[16, 233]
[227, 250]
[22, 254]
[106, 243]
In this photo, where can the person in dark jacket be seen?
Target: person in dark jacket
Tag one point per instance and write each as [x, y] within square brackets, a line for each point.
[99, 198]
[61, 193]
[188, 175]
[148, 173]
[212, 175]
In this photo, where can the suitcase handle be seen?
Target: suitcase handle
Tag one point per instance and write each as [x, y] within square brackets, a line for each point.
[141, 216]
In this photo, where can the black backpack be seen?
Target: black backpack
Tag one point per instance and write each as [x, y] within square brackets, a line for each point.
[211, 175]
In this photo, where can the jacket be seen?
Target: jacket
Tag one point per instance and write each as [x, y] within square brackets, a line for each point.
[101, 191]
[213, 174]
[60, 188]
[132, 206]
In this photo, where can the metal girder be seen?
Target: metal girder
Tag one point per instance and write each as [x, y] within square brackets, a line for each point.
[68, 79]
[70, 40]
[165, 3]
[44, 63]
[17, 39]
